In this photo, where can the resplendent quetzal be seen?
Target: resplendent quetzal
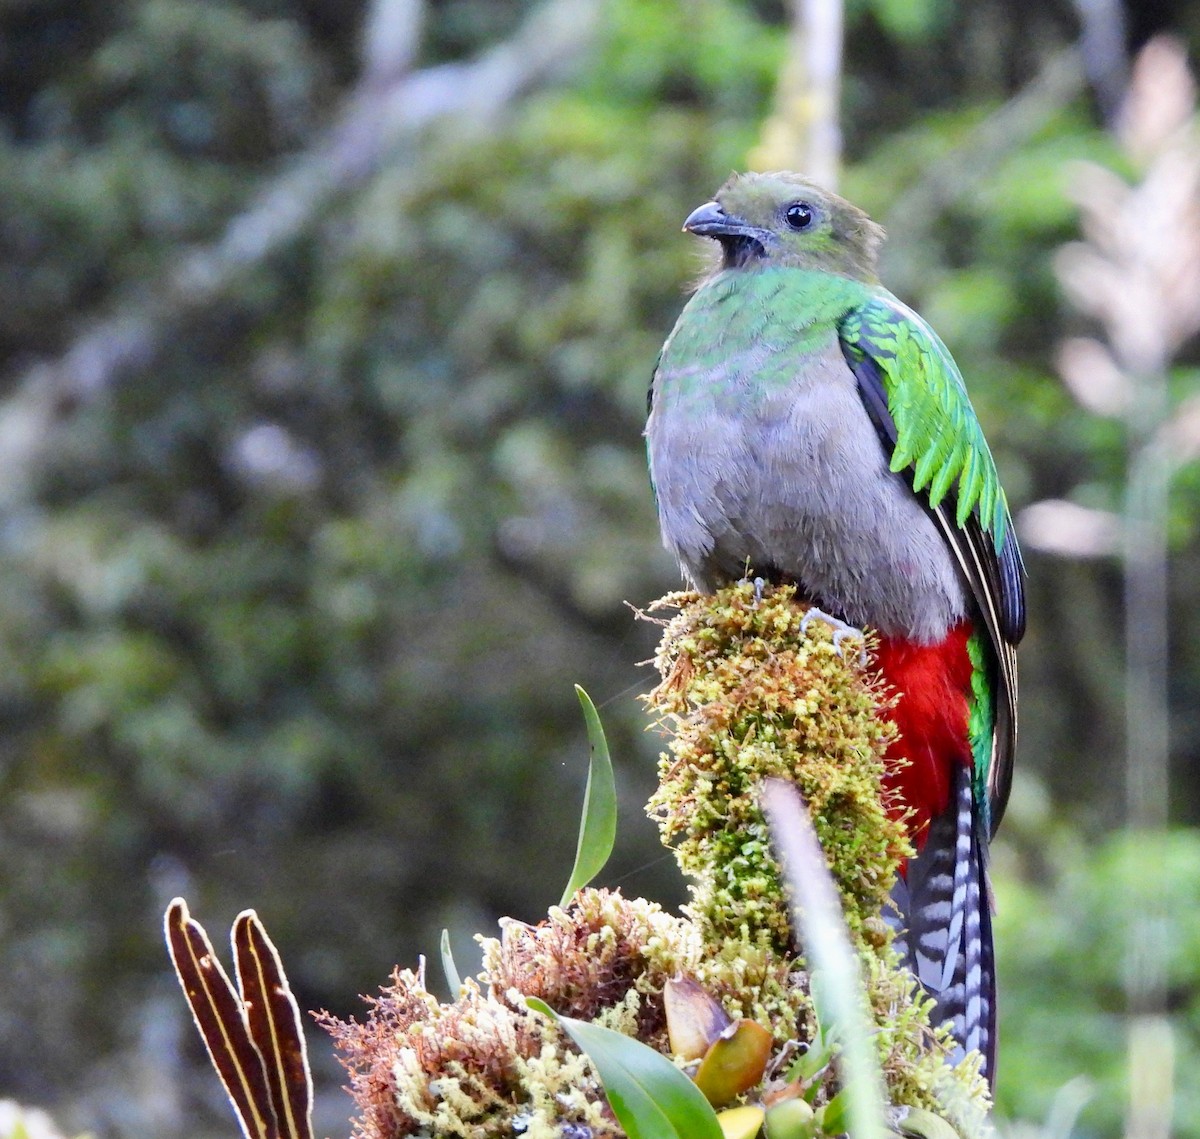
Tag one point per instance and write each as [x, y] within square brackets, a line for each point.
[805, 426]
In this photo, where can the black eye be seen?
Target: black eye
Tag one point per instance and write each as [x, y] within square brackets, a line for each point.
[799, 215]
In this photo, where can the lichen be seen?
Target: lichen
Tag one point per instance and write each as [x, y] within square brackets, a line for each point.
[752, 689]
[749, 689]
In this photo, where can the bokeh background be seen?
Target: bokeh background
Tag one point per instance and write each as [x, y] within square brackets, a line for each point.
[326, 328]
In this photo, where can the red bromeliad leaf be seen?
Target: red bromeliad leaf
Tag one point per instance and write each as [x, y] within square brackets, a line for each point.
[218, 1012]
[273, 1018]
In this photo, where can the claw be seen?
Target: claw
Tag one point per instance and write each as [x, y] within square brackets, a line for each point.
[841, 630]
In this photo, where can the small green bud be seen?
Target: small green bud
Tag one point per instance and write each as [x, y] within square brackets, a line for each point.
[791, 1119]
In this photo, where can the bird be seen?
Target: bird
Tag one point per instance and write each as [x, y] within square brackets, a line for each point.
[806, 426]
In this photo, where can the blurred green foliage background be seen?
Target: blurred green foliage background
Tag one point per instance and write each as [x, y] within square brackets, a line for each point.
[326, 331]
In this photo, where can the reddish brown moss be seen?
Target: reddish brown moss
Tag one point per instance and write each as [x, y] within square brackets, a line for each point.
[467, 1069]
[367, 1050]
[587, 958]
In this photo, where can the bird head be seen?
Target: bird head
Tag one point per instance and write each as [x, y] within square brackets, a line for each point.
[784, 219]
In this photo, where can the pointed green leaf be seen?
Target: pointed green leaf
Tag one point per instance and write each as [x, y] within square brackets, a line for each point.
[598, 826]
[449, 968]
[834, 1118]
[815, 1059]
[651, 1098]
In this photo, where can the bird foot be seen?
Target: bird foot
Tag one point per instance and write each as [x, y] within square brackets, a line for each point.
[841, 630]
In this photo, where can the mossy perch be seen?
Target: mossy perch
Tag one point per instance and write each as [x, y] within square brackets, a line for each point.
[748, 690]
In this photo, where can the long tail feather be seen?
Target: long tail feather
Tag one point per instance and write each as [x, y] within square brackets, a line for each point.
[944, 924]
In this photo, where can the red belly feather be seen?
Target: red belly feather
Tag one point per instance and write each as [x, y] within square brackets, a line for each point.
[934, 682]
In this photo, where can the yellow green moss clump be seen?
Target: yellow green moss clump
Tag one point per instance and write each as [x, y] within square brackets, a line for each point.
[749, 689]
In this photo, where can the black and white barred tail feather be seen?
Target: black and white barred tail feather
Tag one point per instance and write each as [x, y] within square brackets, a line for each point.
[944, 924]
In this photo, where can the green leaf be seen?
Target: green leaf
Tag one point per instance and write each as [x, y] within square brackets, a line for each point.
[598, 827]
[921, 1124]
[449, 968]
[815, 1059]
[834, 1117]
[651, 1098]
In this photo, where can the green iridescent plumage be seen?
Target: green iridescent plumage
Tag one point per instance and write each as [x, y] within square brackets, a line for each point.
[937, 433]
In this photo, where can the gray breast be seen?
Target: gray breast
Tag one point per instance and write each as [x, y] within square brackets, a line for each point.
[789, 479]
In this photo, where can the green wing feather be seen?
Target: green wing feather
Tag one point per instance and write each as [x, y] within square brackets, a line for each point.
[937, 433]
[916, 397]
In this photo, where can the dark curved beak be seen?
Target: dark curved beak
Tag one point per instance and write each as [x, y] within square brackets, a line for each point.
[711, 220]
[706, 219]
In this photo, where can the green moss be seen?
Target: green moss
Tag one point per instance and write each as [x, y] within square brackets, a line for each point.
[748, 691]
